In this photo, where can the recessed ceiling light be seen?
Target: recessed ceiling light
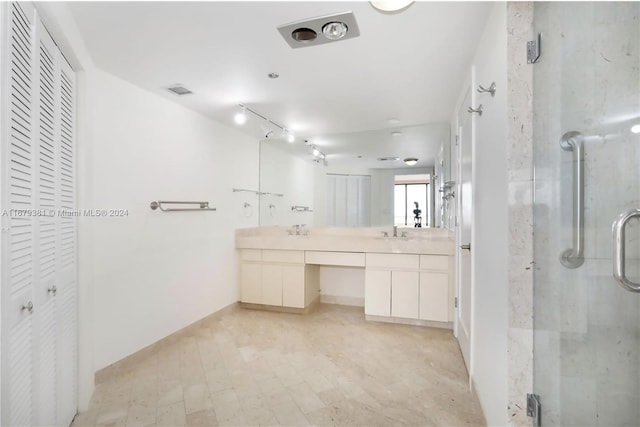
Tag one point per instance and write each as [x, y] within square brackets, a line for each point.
[410, 161]
[334, 30]
[635, 128]
[273, 75]
[304, 35]
[396, 133]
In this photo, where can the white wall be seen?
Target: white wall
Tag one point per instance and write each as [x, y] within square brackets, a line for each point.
[152, 272]
[344, 283]
[489, 223]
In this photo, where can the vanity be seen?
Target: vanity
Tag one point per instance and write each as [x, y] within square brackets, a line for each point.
[406, 279]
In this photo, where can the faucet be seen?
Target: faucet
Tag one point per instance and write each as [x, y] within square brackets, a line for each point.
[298, 227]
[395, 231]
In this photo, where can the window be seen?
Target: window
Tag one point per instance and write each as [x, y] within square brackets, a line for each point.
[407, 191]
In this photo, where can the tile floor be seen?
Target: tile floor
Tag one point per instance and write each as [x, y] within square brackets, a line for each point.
[248, 368]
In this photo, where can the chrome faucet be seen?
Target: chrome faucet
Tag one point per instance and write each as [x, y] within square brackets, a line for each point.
[297, 228]
[395, 231]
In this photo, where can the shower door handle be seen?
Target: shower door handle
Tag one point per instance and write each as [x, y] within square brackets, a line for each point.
[619, 250]
[574, 142]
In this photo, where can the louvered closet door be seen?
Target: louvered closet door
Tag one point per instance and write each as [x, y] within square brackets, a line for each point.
[67, 356]
[39, 378]
[56, 360]
[19, 230]
[47, 248]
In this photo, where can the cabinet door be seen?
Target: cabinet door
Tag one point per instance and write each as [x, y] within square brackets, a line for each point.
[272, 284]
[251, 283]
[405, 291]
[377, 290]
[434, 296]
[293, 286]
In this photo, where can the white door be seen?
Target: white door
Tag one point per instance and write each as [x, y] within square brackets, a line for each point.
[377, 292]
[405, 294]
[293, 286]
[18, 231]
[39, 287]
[463, 311]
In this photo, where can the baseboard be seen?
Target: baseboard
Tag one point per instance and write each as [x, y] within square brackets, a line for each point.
[280, 309]
[342, 300]
[413, 322]
[129, 362]
[474, 393]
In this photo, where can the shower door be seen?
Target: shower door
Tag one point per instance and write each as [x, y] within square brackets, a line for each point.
[586, 144]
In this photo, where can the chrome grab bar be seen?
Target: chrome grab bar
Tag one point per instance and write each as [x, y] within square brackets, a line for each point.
[619, 250]
[203, 206]
[574, 257]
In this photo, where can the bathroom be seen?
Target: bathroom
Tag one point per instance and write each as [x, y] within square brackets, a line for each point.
[534, 325]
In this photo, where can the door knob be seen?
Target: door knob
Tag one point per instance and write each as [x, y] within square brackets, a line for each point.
[28, 307]
[467, 247]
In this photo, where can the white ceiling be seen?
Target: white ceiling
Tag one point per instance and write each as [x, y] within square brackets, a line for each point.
[406, 66]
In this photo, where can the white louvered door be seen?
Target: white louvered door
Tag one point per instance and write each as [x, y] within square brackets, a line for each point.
[39, 346]
[67, 312]
[18, 231]
[47, 170]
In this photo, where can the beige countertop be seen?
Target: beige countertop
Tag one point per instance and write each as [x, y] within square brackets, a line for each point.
[370, 239]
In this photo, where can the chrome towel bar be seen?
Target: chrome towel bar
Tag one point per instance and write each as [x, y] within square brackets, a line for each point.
[301, 209]
[202, 206]
[574, 142]
[619, 250]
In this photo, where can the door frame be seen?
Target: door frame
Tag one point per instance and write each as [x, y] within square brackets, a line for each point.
[462, 334]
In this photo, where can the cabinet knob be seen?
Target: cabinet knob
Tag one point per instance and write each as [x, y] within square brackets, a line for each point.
[53, 290]
[28, 307]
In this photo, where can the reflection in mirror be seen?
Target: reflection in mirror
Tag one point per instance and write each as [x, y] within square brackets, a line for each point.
[352, 186]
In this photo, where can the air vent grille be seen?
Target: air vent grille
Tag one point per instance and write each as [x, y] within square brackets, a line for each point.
[179, 89]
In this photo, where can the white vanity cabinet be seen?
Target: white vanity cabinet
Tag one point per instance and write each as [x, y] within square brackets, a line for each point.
[251, 276]
[274, 278]
[434, 288]
[413, 288]
[402, 286]
[392, 285]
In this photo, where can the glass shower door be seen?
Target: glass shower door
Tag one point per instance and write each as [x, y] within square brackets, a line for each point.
[586, 98]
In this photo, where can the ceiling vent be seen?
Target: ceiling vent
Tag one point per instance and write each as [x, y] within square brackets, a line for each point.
[179, 89]
[322, 30]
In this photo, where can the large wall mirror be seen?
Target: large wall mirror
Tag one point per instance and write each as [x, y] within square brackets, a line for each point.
[357, 179]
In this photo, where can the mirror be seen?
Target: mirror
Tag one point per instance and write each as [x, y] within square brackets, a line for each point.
[351, 179]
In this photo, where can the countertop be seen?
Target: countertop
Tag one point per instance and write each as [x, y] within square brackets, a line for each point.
[370, 239]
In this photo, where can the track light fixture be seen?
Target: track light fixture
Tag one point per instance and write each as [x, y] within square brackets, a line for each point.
[241, 118]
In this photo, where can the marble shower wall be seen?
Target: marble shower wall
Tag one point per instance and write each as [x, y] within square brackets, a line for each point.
[520, 211]
[587, 328]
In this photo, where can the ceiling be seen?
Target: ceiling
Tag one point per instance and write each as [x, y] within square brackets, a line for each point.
[406, 66]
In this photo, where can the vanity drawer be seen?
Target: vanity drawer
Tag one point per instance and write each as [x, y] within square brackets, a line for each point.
[350, 259]
[434, 262]
[291, 257]
[251, 254]
[393, 261]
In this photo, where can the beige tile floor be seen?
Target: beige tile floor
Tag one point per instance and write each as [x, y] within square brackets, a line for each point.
[248, 368]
